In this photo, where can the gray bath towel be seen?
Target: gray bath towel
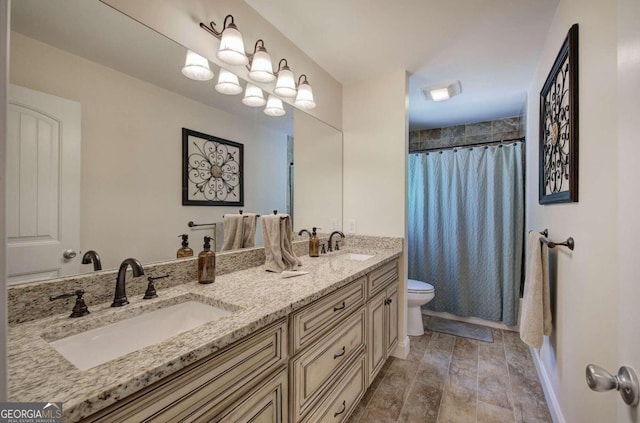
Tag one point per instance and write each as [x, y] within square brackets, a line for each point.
[250, 221]
[278, 247]
[233, 228]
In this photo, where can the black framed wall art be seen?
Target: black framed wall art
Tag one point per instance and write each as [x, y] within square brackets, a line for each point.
[212, 170]
[558, 152]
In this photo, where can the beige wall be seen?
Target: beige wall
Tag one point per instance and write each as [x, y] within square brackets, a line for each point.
[180, 22]
[4, 75]
[375, 155]
[628, 199]
[131, 201]
[375, 134]
[585, 315]
[317, 152]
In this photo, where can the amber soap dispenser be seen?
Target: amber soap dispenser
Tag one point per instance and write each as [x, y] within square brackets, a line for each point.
[207, 263]
[314, 244]
[185, 251]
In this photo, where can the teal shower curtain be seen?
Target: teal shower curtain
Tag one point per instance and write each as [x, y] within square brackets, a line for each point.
[466, 228]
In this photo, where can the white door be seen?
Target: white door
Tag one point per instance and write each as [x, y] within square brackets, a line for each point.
[43, 185]
[629, 196]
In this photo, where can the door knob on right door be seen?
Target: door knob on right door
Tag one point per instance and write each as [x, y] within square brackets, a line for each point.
[625, 381]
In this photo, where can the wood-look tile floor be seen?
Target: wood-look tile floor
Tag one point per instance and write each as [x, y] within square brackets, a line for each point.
[449, 379]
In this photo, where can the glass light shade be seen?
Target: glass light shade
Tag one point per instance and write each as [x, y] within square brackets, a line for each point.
[440, 94]
[286, 84]
[231, 49]
[196, 67]
[274, 107]
[253, 96]
[261, 67]
[304, 99]
[228, 83]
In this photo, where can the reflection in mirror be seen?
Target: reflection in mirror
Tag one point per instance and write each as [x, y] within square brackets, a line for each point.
[123, 83]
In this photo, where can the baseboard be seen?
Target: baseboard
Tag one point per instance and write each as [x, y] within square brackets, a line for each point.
[474, 320]
[549, 394]
[402, 349]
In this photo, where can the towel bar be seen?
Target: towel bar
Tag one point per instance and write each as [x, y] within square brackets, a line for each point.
[569, 243]
[192, 225]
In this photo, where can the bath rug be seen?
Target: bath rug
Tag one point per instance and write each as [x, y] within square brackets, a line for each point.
[466, 330]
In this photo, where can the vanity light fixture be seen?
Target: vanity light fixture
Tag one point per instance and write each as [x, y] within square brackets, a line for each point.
[274, 106]
[442, 92]
[286, 82]
[196, 67]
[304, 99]
[253, 96]
[231, 49]
[261, 69]
[228, 83]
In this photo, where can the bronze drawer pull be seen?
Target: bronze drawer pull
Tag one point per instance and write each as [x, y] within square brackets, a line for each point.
[341, 307]
[344, 408]
[340, 354]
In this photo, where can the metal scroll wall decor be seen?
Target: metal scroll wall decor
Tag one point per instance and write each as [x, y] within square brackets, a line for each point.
[559, 127]
[212, 173]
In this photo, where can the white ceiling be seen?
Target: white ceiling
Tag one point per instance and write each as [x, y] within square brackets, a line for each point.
[491, 46]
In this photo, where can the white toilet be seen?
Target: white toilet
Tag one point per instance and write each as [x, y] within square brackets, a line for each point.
[418, 293]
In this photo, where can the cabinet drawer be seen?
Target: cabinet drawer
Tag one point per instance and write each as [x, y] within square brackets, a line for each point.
[266, 403]
[381, 277]
[210, 384]
[340, 402]
[317, 367]
[309, 323]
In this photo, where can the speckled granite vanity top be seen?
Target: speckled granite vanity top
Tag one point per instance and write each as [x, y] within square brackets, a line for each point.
[37, 372]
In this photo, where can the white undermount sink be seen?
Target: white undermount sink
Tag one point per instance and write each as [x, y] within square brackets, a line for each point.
[97, 346]
[355, 256]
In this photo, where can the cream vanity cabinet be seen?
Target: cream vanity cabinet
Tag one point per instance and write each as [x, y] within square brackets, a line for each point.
[382, 316]
[339, 343]
[246, 381]
[314, 366]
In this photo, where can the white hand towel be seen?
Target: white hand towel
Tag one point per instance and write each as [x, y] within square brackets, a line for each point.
[535, 320]
[232, 229]
[278, 247]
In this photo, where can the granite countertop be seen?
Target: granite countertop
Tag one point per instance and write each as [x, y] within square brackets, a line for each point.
[257, 298]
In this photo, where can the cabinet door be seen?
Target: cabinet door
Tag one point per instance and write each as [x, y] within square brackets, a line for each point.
[391, 324]
[376, 334]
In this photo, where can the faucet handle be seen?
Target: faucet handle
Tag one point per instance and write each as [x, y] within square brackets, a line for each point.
[80, 308]
[150, 293]
[337, 245]
[323, 249]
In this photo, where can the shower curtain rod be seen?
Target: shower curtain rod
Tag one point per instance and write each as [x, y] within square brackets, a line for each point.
[470, 146]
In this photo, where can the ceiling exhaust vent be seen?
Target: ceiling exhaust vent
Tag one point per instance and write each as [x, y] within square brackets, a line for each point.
[442, 91]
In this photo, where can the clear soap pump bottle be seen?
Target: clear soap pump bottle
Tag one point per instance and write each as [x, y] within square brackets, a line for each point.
[207, 263]
[185, 251]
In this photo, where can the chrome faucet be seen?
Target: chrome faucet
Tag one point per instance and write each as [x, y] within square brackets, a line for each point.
[120, 297]
[330, 247]
[92, 257]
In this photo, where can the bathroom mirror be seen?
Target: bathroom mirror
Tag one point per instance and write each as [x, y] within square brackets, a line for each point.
[134, 103]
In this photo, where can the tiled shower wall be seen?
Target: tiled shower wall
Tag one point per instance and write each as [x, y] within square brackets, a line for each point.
[473, 133]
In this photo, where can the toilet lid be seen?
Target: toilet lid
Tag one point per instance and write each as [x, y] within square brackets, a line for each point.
[419, 287]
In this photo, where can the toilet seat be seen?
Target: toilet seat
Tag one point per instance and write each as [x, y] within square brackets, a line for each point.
[418, 287]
